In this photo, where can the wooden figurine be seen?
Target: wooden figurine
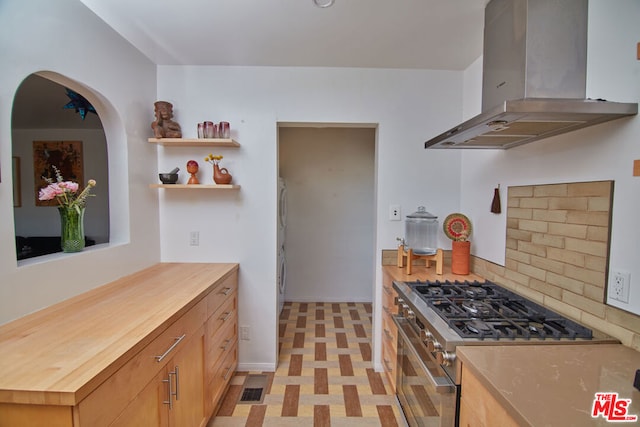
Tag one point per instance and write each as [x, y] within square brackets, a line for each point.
[192, 168]
[163, 126]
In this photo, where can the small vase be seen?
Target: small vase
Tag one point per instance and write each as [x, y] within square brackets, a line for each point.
[72, 229]
[460, 257]
[221, 175]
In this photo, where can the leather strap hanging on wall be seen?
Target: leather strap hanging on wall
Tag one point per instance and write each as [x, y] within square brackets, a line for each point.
[495, 204]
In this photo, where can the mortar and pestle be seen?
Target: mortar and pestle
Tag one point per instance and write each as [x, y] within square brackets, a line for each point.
[169, 177]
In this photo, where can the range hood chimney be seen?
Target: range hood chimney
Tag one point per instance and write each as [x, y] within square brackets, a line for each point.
[534, 77]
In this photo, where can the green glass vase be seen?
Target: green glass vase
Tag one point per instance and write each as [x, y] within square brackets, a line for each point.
[72, 229]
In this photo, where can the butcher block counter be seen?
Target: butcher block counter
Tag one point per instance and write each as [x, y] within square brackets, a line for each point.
[88, 359]
[553, 385]
[422, 273]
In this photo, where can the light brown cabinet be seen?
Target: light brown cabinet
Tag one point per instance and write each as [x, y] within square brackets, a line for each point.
[389, 329]
[175, 396]
[141, 365]
[478, 408]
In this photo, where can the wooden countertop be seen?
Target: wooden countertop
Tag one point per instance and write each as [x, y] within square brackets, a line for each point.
[58, 355]
[424, 273]
[554, 385]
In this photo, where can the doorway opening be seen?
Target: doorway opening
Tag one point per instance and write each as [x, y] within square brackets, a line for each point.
[330, 173]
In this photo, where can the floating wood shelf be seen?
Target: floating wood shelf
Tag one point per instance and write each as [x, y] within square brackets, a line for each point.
[195, 142]
[197, 186]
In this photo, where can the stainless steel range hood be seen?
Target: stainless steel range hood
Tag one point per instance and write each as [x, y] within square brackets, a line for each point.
[534, 77]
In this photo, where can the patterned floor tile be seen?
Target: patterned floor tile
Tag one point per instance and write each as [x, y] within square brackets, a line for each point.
[324, 376]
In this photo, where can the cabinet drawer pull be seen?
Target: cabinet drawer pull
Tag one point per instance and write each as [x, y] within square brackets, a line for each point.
[386, 310]
[226, 316]
[226, 374]
[225, 291]
[163, 355]
[386, 290]
[387, 364]
[226, 344]
[388, 334]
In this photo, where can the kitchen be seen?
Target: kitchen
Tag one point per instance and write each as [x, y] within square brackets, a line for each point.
[410, 105]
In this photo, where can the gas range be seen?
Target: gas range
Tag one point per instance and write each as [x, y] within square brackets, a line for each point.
[446, 314]
[435, 317]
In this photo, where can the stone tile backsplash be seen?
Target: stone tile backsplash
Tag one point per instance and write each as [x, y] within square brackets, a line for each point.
[556, 253]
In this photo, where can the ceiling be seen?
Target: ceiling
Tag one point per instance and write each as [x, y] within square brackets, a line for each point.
[413, 34]
[416, 34]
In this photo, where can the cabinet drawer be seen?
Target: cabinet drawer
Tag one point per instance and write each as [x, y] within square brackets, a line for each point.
[389, 297]
[220, 343]
[389, 330]
[225, 314]
[106, 402]
[221, 293]
[223, 372]
[389, 363]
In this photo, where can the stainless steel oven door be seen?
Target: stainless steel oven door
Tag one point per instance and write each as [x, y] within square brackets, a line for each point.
[426, 393]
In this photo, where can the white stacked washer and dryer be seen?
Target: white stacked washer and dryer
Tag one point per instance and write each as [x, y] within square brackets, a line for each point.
[282, 226]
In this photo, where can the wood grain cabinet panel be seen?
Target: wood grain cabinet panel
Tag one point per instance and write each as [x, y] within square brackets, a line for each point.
[478, 408]
[389, 330]
[156, 358]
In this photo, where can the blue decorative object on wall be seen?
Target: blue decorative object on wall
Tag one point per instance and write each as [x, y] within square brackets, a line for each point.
[79, 103]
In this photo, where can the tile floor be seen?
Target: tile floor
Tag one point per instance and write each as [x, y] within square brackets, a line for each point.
[324, 377]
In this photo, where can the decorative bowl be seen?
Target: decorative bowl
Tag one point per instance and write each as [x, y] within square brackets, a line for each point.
[168, 178]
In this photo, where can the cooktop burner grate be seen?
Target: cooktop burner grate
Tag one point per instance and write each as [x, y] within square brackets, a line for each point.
[485, 310]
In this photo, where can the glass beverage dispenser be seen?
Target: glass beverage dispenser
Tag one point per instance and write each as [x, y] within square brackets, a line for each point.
[421, 230]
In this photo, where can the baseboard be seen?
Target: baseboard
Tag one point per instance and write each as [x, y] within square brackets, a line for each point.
[330, 300]
[259, 367]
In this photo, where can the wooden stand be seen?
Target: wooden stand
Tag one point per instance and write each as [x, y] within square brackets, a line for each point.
[409, 256]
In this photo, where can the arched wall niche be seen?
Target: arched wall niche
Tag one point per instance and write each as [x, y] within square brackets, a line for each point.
[104, 159]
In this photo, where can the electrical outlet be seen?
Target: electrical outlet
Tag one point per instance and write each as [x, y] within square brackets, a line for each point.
[244, 333]
[194, 238]
[619, 285]
[394, 213]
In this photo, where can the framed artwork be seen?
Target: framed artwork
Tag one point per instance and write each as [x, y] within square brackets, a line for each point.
[65, 155]
[17, 196]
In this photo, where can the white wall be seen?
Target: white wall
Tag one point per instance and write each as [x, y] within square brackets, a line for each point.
[603, 152]
[330, 235]
[408, 105]
[66, 39]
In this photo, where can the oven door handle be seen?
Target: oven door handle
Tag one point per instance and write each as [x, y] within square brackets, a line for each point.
[442, 384]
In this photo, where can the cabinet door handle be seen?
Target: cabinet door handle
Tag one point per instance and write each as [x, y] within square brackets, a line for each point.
[388, 334]
[386, 290]
[175, 372]
[225, 291]
[227, 315]
[387, 365]
[163, 355]
[226, 344]
[169, 401]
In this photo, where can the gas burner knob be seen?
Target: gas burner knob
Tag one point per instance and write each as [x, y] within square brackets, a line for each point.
[434, 345]
[426, 336]
[445, 358]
